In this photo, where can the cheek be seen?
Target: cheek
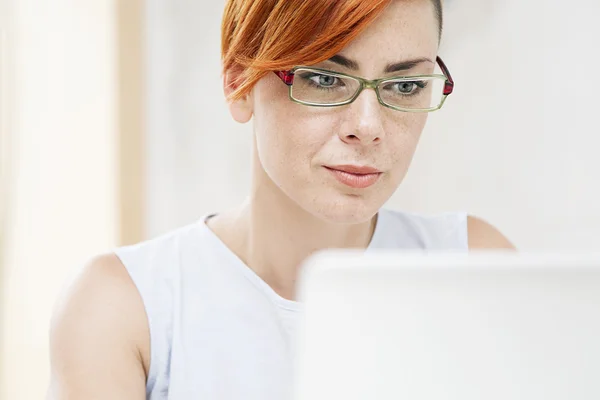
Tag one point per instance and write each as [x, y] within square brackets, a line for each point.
[289, 139]
[291, 134]
[405, 133]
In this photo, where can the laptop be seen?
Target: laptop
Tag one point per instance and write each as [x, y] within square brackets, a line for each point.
[482, 326]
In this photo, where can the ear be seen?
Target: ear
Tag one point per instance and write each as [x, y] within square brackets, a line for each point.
[241, 110]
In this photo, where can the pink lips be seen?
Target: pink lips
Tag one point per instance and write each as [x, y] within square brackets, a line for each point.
[358, 177]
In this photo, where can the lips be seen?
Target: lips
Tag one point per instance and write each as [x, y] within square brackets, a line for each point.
[355, 176]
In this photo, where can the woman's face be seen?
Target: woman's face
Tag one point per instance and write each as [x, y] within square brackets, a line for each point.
[301, 149]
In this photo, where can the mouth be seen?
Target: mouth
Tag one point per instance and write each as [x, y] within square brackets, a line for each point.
[355, 176]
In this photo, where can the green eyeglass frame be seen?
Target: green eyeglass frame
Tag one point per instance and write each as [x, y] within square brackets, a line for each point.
[288, 78]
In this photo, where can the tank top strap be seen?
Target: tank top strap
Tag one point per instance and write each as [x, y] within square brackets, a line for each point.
[405, 230]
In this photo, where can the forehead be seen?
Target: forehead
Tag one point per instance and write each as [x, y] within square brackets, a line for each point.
[406, 29]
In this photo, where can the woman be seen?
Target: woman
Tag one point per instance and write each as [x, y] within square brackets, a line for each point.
[339, 93]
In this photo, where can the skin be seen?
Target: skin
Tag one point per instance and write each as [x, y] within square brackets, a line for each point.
[295, 206]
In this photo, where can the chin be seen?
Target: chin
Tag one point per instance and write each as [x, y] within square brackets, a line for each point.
[345, 209]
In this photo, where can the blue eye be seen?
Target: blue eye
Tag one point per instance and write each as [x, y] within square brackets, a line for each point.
[325, 80]
[322, 81]
[406, 88]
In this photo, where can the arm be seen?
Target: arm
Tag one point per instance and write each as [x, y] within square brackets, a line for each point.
[99, 339]
[484, 236]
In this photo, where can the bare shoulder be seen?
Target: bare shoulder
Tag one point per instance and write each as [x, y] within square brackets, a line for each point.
[483, 235]
[99, 338]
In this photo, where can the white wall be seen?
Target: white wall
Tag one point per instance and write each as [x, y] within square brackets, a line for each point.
[515, 144]
[4, 157]
[193, 145]
[64, 153]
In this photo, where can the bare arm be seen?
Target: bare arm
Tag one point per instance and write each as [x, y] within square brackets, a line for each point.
[99, 340]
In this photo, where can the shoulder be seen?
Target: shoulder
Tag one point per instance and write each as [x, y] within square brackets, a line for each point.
[440, 231]
[101, 290]
[99, 321]
[162, 250]
[445, 231]
[483, 235]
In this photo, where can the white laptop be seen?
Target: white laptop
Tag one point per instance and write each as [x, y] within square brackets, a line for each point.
[482, 326]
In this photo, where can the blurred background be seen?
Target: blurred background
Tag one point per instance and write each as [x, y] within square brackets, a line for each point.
[114, 129]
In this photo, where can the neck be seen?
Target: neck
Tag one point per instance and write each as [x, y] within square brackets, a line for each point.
[273, 235]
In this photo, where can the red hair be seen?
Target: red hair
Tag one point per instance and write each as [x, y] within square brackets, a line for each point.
[259, 36]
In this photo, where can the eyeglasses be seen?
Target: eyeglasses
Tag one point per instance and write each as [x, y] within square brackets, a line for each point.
[324, 88]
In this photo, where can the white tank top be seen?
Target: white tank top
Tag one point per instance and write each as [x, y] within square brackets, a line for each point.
[217, 330]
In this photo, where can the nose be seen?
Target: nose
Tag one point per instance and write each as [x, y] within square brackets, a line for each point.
[363, 120]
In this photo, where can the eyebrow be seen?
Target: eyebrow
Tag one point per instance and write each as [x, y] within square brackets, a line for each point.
[344, 62]
[395, 67]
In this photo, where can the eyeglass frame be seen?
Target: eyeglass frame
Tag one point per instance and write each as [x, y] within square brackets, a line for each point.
[288, 78]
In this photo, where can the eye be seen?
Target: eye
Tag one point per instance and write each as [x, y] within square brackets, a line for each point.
[324, 80]
[406, 87]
